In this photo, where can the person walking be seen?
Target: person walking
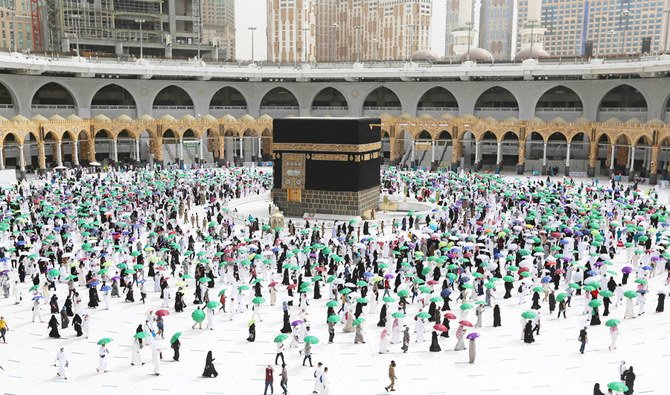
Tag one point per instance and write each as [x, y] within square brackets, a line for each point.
[405, 340]
[307, 352]
[280, 353]
[3, 329]
[210, 370]
[284, 379]
[269, 380]
[102, 359]
[317, 376]
[392, 377]
[62, 363]
[325, 388]
[583, 339]
[629, 379]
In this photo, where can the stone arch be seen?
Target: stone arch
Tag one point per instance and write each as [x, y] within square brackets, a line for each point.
[386, 145]
[68, 140]
[50, 142]
[579, 151]
[641, 148]
[11, 144]
[559, 99]
[172, 96]
[53, 94]
[266, 145]
[102, 142]
[382, 99]
[85, 146]
[423, 135]
[7, 98]
[113, 95]
[279, 98]
[228, 98]
[437, 99]
[125, 145]
[329, 98]
[31, 143]
[534, 150]
[444, 148]
[497, 97]
[623, 96]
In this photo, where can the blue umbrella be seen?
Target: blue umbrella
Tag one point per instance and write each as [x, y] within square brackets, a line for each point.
[37, 297]
[545, 280]
[445, 293]
[93, 284]
[106, 288]
[646, 267]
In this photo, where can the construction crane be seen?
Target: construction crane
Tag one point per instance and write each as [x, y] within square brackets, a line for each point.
[36, 21]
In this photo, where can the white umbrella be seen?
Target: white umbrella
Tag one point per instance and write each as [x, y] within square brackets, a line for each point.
[95, 164]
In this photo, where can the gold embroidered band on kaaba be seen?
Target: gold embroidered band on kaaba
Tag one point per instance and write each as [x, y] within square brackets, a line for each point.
[340, 148]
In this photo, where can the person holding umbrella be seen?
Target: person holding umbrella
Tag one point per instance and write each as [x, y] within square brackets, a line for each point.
[175, 344]
[472, 350]
[103, 353]
[614, 332]
[392, 377]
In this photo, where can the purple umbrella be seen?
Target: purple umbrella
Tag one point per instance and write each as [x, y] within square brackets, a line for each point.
[4, 272]
[627, 270]
[389, 276]
[115, 278]
[296, 322]
[472, 336]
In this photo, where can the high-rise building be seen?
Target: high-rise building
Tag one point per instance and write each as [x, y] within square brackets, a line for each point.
[162, 28]
[287, 24]
[348, 30]
[497, 19]
[451, 24]
[15, 25]
[601, 27]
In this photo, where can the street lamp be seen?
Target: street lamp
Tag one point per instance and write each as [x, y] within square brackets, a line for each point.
[599, 20]
[76, 17]
[140, 21]
[252, 29]
[532, 35]
[304, 43]
[358, 46]
[335, 26]
[469, 25]
[624, 14]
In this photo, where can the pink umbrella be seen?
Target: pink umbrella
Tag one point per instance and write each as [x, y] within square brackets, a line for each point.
[465, 323]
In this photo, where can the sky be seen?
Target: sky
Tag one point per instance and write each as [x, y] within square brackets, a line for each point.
[253, 13]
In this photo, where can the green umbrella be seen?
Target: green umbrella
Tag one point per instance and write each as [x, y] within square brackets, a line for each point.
[258, 300]
[334, 318]
[33, 288]
[466, 306]
[198, 315]
[243, 288]
[141, 335]
[362, 300]
[221, 292]
[54, 273]
[331, 303]
[612, 322]
[388, 299]
[606, 294]
[617, 386]
[404, 293]
[280, 338]
[595, 303]
[398, 314]
[70, 277]
[175, 337]
[630, 294]
[508, 279]
[358, 321]
[538, 289]
[529, 315]
[423, 314]
[561, 297]
[213, 304]
[104, 340]
[311, 340]
[435, 299]
[345, 291]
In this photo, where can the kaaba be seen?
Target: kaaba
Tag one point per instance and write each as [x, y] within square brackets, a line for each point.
[326, 165]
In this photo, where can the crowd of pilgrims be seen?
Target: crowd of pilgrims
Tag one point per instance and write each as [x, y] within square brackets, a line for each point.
[126, 234]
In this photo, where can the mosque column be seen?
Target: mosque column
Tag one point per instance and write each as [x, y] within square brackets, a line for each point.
[433, 164]
[180, 152]
[593, 158]
[22, 159]
[521, 162]
[75, 152]
[567, 161]
[478, 154]
[115, 151]
[91, 150]
[41, 157]
[499, 157]
[612, 159]
[59, 159]
[241, 149]
[653, 165]
[631, 165]
[201, 150]
[2, 157]
[260, 148]
[137, 150]
[456, 150]
[544, 159]
[158, 150]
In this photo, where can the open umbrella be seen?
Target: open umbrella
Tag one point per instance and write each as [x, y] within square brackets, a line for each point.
[529, 315]
[440, 327]
[398, 314]
[213, 304]
[630, 294]
[465, 323]
[141, 335]
[472, 336]
[198, 315]
[595, 303]
[334, 318]
[331, 303]
[296, 322]
[617, 386]
[450, 316]
[162, 313]
[311, 340]
[175, 337]
[258, 300]
[612, 322]
[280, 338]
[104, 340]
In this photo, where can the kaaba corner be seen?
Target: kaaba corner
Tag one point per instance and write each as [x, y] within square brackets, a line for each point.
[326, 165]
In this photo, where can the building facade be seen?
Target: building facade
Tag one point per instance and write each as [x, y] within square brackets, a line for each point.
[155, 28]
[496, 27]
[15, 25]
[602, 27]
[347, 30]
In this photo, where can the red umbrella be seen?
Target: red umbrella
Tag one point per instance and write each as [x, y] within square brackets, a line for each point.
[450, 316]
[160, 268]
[465, 323]
[431, 282]
[440, 327]
[320, 269]
[560, 271]
[292, 286]
[272, 284]
[162, 313]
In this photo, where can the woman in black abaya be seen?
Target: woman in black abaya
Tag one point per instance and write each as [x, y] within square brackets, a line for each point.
[210, 370]
[53, 325]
